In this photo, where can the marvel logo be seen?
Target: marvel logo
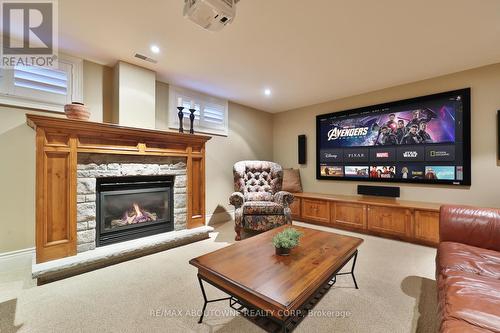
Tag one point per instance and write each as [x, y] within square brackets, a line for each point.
[410, 154]
[383, 155]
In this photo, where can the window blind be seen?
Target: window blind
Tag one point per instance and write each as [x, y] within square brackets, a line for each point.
[211, 114]
[41, 79]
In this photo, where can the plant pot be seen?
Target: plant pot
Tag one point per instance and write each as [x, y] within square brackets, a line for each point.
[281, 251]
[76, 111]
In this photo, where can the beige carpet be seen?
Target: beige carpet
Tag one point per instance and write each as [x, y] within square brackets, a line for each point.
[160, 293]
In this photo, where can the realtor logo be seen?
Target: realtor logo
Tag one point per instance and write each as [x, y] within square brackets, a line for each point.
[29, 33]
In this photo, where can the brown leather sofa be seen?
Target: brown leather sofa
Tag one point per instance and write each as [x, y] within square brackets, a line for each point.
[468, 269]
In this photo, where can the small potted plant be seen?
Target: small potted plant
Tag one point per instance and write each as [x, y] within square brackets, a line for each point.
[286, 240]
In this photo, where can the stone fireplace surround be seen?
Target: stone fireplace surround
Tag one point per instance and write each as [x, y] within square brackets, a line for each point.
[72, 154]
[93, 166]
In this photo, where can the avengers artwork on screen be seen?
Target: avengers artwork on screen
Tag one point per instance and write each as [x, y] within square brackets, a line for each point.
[410, 127]
[399, 141]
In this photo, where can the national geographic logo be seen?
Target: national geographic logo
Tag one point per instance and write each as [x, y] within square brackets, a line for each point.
[29, 33]
[439, 153]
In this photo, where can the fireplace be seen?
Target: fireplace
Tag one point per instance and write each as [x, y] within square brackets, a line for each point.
[133, 207]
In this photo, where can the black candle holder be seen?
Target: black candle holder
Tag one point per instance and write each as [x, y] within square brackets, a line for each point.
[191, 118]
[180, 114]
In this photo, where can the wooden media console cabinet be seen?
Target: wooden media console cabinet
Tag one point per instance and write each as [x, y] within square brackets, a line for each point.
[411, 221]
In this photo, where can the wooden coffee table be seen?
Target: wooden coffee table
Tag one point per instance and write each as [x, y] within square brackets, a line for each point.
[276, 292]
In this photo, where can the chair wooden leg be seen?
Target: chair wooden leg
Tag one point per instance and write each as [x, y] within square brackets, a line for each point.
[237, 228]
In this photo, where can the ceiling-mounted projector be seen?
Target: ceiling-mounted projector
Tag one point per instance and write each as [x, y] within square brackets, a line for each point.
[212, 15]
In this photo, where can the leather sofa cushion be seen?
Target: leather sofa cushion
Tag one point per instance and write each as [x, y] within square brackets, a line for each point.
[470, 225]
[460, 326]
[291, 181]
[262, 208]
[471, 298]
[466, 258]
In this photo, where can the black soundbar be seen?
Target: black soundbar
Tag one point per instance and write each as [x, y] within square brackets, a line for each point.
[380, 191]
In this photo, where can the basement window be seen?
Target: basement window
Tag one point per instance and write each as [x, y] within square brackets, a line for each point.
[43, 88]
[211, 115]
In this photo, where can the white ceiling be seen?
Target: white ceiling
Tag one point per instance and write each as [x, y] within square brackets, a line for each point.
[306, 51]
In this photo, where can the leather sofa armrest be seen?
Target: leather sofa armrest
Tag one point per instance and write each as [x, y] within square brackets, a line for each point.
[237, 199]
[474, 226]
[283, 198]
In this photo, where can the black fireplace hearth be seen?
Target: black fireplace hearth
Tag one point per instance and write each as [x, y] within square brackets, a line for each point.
[133, 207]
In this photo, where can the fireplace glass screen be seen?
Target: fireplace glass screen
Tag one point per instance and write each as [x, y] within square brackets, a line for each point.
[132, 207]
[124, 209]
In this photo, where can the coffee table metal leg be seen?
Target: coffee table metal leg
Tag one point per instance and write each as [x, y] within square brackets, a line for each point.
[351, 273]
[352, 269]
[206, 301]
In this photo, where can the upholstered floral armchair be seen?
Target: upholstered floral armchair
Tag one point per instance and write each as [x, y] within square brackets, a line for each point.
[259, 202]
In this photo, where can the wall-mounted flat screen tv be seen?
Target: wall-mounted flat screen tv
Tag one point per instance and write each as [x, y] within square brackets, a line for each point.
[418, 140]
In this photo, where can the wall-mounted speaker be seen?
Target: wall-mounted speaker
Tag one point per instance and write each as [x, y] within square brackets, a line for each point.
[380, 191]
[498, 134]
[302, 149]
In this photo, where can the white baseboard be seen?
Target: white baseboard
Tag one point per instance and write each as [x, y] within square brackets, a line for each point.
[222, 216]
[16, 259]
[19, 253]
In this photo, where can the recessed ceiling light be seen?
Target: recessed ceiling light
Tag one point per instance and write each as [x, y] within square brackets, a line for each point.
[267, 92]
[155, 49]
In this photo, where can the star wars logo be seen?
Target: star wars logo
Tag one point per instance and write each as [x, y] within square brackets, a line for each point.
[410, 154]
[336, 132]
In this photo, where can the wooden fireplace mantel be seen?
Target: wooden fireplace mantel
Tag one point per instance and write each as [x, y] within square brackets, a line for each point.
[58, 142]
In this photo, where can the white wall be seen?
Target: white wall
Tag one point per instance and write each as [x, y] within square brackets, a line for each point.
[136, 96]
[250, 137]
[485, 101]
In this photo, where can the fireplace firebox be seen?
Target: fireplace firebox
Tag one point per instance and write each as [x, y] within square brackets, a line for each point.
[133, 207]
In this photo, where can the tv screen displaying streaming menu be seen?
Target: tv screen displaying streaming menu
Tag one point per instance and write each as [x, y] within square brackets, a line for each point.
[418, 140]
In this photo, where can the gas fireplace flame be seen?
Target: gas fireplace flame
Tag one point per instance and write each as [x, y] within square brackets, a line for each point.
[134, 215]
[138, 212]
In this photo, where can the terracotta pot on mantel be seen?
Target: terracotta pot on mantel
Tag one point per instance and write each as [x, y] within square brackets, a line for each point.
[76, 111]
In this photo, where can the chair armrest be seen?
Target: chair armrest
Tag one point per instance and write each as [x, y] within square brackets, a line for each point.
[237, 199]
[474, 226]
[283, 198]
